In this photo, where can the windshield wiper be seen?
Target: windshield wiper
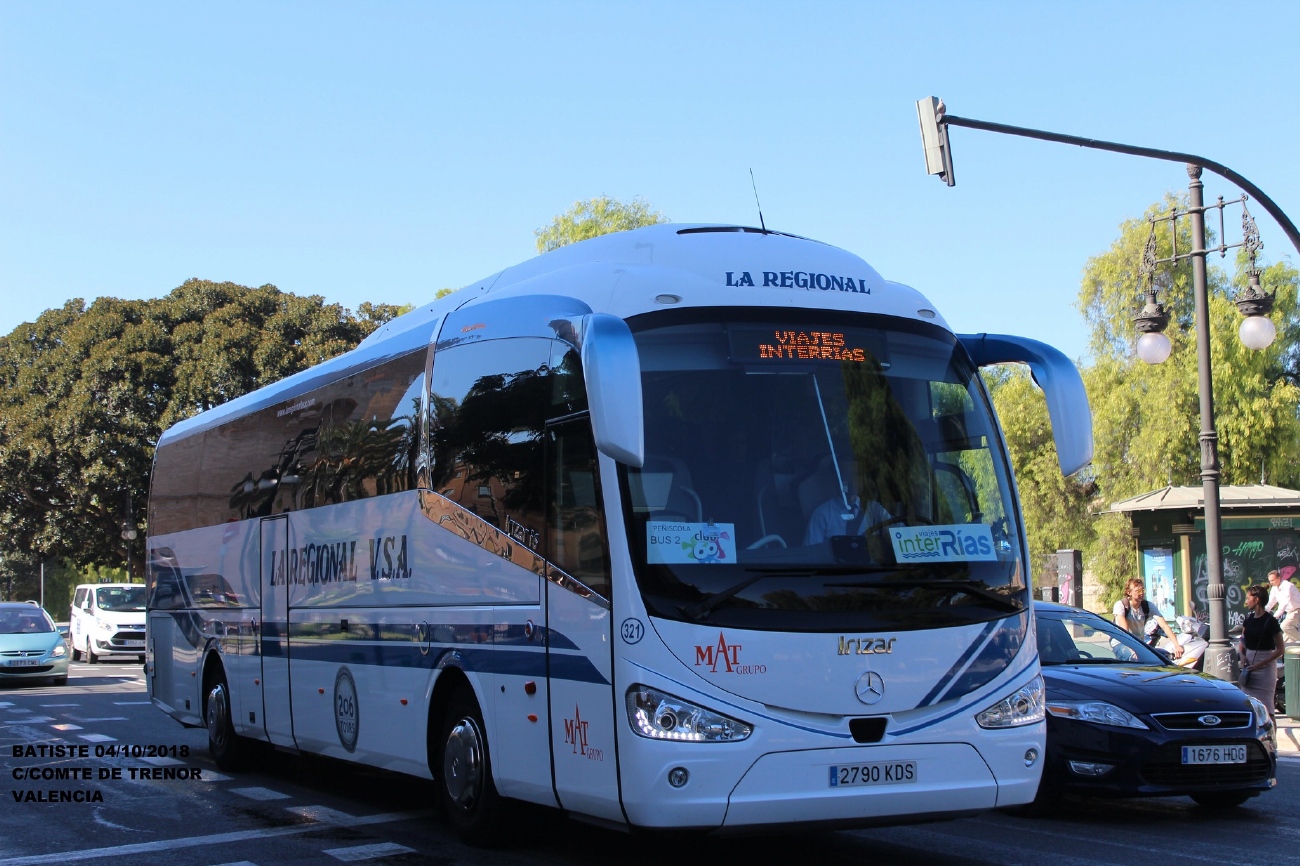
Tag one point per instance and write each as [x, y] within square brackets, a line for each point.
[970, 587]
[703, 608]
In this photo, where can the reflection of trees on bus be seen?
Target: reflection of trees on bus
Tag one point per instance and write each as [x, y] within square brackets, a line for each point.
[878, 426]
[334, 462]
[495, 433]
[255, 497]
[356, 459]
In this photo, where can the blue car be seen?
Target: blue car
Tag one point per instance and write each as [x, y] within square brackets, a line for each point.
[31, 647]
[1122, 721]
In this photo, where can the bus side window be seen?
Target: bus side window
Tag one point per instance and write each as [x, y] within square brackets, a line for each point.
[489, 400]
[575, 538]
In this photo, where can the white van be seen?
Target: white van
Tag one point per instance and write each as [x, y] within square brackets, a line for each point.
[107, 620]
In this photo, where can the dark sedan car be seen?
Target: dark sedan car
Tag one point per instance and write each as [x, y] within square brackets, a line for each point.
[1123, 722]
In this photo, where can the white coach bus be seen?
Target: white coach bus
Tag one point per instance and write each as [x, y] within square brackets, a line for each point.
[683, 527]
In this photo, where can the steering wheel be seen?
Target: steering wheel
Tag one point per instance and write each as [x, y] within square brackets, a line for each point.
[765, 540]
[1084, 654]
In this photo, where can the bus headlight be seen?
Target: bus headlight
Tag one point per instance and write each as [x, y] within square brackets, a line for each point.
[1025, 706]
[660, 716]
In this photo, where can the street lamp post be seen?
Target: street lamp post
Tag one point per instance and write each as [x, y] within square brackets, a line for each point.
[128, 533]
[1153, 346]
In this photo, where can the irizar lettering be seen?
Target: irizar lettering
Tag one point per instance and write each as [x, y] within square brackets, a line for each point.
[865, 646]
[802, 280]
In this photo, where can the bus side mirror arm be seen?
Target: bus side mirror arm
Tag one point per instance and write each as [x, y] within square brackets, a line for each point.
[1067, 400]
[611, 367]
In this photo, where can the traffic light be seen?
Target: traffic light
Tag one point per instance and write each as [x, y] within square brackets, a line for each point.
[934, 138]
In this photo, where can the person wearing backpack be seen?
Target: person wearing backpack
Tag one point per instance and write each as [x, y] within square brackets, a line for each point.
[1140, 618]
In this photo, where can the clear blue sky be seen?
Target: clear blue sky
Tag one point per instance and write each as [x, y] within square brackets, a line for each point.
[381, 151]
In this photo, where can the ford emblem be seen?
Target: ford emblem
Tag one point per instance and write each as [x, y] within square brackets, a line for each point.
[1209, 721]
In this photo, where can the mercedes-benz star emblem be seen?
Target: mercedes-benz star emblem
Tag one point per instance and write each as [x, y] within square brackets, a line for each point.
[869, 688]
[1209, 721]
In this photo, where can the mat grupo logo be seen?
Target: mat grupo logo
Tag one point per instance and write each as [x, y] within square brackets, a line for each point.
[575, 734]
[727, 655]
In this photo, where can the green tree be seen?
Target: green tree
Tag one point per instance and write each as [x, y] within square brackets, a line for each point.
[1146, 419]
[85, 392]
[595, 217]
[1055, 507]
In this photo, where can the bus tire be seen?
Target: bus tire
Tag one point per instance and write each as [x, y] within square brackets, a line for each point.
[468, 797]
[227, 748]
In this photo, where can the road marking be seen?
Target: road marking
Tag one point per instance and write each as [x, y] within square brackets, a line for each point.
[132, 703]
[209, 776]
[6, 704]
[25, 720]
[238, 863]
[259, 793]
[97, 738]
[321, 814]
[67, 727]
[163, 762]
[104, 719]
[200, 841]
[60, 705]
[367, 852]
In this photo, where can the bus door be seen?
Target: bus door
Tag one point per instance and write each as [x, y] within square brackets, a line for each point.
[277, 706]
[579, 660]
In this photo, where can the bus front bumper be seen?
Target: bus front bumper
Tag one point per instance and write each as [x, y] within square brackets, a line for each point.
[857, 786]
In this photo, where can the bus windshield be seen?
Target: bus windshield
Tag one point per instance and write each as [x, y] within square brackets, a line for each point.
[818, 473]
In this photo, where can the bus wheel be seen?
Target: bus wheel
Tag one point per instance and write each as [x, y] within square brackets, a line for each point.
[226, 746]
[469, 798]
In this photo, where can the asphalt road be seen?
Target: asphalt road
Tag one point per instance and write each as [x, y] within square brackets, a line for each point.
[176, 808]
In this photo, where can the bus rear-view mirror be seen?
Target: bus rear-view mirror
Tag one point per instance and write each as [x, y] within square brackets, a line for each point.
[612, 370]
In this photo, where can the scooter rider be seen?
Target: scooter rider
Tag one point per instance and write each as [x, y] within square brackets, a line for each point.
[1137, 616]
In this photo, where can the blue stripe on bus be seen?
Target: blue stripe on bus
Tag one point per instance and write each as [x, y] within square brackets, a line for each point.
[947, 678]
[962, 709]
[993, 658]
[487, 659]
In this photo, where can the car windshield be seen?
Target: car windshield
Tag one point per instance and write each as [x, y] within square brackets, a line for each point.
[1081, 638]
[30, 621]
[812, 473]
[120, 598]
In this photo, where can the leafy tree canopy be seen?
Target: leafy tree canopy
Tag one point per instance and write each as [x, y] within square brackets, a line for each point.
[1146, 419]
[85, 392]
[595, 217]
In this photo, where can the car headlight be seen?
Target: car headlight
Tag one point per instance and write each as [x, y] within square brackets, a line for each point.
[660, 716]
[103, 625]
[59, 651]
[1262, 718]
[1024, 706]
[1098, 712]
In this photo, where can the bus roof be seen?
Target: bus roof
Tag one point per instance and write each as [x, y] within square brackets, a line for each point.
[627, 273]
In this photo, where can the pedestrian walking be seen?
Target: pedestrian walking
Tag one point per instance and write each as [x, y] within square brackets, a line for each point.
[1284, 603]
